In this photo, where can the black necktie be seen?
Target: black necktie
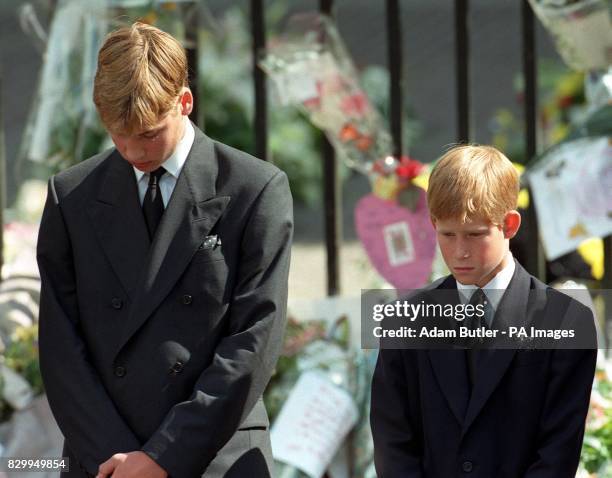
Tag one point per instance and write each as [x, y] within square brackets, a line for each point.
[153, 205]
[478, 300]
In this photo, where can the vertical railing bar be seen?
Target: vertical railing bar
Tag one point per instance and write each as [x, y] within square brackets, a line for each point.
[534, 261]
[530, 75]
[332, 200]
[259, 80]
[606, 284]
[394, 52]
[462, 65]
[607, 278]
[2, 182]
[326, 7]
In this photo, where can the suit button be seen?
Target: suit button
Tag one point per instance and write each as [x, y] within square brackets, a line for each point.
[117, 303]
[119, 371]
[187, 299]
[177, 367]
[467, 466]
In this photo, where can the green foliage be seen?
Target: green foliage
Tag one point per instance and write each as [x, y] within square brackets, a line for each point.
[560, 98]
[226, 100]
[597, 447]
[225, 94]
[596, 455]
[21, 355]
[299, 336]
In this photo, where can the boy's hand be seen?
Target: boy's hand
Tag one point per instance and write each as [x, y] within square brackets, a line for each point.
[135, 464]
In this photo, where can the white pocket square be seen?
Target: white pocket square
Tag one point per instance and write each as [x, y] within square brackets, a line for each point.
[210, 242]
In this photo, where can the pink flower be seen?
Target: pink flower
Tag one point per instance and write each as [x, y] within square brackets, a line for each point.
[355, 105]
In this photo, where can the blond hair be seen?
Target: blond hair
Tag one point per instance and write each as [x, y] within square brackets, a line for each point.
[141, 71]
[473, 182]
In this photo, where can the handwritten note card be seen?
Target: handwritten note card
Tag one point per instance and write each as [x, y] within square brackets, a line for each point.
[313, 424]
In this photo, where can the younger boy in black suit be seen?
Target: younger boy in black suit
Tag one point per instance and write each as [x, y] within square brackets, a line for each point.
[483, 413]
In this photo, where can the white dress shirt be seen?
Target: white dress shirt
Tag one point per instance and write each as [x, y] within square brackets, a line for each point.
[173, 166]
[494, 289]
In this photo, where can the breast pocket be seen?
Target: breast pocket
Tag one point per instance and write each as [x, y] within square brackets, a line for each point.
[202, 256]
[212, 273]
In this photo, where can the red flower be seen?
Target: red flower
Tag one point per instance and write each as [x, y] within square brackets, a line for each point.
[349, 133]
[565, 101]
[364, 143]
[408, 168]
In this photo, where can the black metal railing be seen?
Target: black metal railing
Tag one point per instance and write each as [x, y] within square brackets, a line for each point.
[533, 260]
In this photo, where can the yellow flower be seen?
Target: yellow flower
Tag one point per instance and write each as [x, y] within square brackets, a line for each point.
[523, 197]
[386, 187]
[570, 84]
[422, 180]
[591, 251]
[559, 132]
[150, 18]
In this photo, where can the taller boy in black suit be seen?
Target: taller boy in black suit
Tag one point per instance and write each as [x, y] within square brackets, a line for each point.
[502, 413]
[164, 266]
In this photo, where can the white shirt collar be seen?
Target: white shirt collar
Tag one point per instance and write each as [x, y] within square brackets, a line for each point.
[174, 164]
[494, 289]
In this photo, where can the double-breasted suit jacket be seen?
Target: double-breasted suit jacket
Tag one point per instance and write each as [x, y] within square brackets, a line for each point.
[165, 346]
[523, 417]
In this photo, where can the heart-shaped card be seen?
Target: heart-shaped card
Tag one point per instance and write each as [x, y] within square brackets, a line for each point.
[400, 243]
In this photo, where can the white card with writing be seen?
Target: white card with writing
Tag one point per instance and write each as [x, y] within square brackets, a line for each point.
[572, 192]
[400, 247]
[312, 424]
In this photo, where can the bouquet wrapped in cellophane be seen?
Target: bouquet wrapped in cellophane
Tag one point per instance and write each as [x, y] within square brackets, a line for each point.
[318, 401]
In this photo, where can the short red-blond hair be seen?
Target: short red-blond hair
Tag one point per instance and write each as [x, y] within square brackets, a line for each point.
[473, 182]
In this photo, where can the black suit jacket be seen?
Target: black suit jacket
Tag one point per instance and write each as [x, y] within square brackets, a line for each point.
[165, 346]
[524, 417]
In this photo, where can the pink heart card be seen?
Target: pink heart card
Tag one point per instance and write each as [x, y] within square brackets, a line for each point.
[400, 243]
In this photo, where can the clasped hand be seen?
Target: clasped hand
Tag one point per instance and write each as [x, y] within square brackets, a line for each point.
[135, 464]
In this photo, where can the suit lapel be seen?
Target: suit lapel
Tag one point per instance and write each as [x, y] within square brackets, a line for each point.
[512, 308]
[450, 366]
[191, 213]
[118, 222]
[450, 370]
